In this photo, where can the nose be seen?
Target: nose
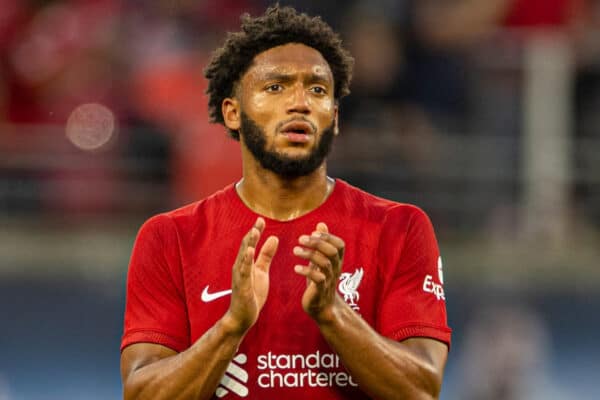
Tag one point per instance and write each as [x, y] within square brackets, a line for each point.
[299, 101]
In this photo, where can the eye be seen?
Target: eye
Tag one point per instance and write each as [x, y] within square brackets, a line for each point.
[275, 87]
[318, 90]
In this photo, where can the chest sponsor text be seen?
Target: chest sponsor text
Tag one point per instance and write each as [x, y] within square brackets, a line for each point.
[302, 370]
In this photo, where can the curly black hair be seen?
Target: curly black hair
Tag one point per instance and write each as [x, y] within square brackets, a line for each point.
[278, 26]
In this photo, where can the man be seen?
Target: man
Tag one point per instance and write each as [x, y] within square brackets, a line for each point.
[332, 294]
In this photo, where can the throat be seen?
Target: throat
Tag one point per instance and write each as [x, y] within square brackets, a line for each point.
[284, 203]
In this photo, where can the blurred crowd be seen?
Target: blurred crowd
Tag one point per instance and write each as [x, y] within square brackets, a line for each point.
[103, 114]
[435, 115]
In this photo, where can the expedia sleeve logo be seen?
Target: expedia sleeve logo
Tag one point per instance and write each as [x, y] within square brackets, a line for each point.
[437, 289]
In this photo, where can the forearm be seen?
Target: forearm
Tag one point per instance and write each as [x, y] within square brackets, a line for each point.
[383, 368]
[192, 374]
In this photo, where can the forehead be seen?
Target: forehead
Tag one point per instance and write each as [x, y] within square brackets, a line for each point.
[289, 59]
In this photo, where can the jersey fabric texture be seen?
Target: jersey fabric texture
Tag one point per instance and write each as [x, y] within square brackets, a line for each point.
[391, 276]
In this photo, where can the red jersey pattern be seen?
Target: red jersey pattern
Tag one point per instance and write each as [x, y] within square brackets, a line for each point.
[180, 276]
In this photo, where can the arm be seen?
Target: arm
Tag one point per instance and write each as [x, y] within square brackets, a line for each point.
[384, 368]
[152, 371]
[157, 372]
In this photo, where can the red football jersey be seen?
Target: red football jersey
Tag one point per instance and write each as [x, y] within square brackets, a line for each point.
[180, 278]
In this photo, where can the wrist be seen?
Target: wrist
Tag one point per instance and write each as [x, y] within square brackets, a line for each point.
[231, 325]
[330, 314]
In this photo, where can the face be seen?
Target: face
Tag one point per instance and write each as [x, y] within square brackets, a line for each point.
[285, 110]
[254, 138]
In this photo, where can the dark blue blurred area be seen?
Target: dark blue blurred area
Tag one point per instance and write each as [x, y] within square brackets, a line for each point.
[569, 364]
[60, 339]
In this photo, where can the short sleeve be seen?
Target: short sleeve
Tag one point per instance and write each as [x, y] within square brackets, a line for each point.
[155, 309]
[414, 303]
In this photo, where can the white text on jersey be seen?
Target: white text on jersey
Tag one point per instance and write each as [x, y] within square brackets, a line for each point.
[429, 286]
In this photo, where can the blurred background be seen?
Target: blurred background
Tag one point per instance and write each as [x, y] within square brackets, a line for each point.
[483, 112]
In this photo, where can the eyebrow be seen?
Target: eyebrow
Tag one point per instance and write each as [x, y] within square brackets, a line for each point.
[283, 77]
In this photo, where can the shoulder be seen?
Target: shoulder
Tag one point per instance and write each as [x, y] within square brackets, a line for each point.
[190, 215]
[380, 209]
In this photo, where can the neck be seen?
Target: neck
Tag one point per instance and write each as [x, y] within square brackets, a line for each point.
[279, 198]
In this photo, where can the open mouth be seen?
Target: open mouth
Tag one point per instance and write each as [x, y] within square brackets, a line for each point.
[297, 131]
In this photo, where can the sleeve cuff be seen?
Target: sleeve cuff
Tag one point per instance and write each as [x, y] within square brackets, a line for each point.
[443, 334]
[146, 336]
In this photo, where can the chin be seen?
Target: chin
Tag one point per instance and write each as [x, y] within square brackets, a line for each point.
[295, 154]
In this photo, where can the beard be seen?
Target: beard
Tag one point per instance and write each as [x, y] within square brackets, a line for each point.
[285, 166]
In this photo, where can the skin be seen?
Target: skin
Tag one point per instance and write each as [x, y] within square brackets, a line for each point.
[285, 83]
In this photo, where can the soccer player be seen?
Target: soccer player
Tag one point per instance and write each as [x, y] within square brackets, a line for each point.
[288, 284]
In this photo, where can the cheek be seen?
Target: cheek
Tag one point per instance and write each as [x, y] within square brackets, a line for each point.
[259, 102]
[329, 107]
[327, 110]
[259, 108]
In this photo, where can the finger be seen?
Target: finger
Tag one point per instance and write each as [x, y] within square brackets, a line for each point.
[249, 240]
[243, 246]
[316, 257]
[314, 242]
[313, 274]
[335, 241]
[246, 264]
[260, 224]
[256, 231]
[322, 227]
[267, 252]
[323, 233]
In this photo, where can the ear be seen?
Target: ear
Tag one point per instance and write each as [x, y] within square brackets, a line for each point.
[336, 128]
[230, 108]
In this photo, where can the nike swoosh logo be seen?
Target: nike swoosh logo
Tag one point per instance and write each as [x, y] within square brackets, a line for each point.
[208, 297]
